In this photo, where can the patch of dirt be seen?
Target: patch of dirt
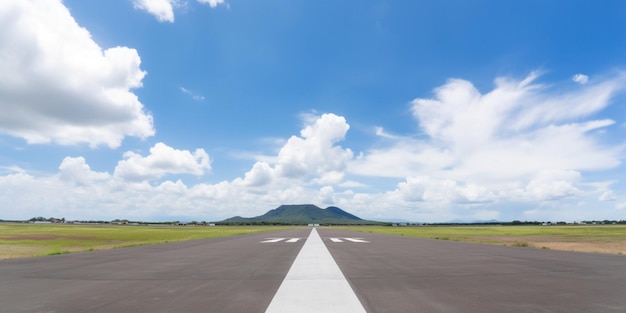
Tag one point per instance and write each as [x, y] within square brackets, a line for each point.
[17, 251]
[600, 247]
[615, 245]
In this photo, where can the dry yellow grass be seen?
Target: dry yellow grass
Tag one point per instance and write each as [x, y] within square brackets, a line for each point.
[581, 238]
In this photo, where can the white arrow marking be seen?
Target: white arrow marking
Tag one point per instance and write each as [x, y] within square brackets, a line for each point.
[315, 284]
[355, 239]
[273, 240]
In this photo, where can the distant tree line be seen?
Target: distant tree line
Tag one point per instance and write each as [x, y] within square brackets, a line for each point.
[266, 223]
[50, 219]
[517, 223]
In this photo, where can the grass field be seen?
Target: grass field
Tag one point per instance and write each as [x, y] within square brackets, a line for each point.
[29, 240]
[583, 238]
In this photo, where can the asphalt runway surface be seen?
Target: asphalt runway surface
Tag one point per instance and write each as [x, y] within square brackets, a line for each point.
[387, 274]
[401, 274]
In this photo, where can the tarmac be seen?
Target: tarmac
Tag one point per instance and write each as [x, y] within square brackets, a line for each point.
[387, 274]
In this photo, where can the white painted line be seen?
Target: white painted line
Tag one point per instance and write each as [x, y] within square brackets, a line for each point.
[273, 240]
[293, 240]
[315, 284]
[355, 239]
[336, 240]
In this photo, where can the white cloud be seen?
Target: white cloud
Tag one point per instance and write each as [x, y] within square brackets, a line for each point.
[212, 3]
[580, 78]
[405, 157]
[425, 189]
[352, 184]
[330, 178]
[461, 116]
[163, 10]
[193, 95]
[470, 163]
[607, 196]
[441, 192]
[161, 161]
[261, 174]
[59, 86]
[552, 185]
[521, 144]
[326, 195]
[315, 152]
[506, 135]
[77, 171]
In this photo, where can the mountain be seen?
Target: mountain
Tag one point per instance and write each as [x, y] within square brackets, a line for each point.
[301, 214]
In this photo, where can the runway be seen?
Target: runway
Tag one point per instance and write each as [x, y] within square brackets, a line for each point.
[386, 273]
[230, 274]
[401, 274]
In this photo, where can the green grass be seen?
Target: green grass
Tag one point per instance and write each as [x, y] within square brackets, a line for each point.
[469, 232]
[28, 240]
[590, 238]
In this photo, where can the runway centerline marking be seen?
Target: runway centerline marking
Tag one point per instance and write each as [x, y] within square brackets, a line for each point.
[315, 283]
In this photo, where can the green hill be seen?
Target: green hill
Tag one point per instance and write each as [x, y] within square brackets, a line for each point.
[301, 214]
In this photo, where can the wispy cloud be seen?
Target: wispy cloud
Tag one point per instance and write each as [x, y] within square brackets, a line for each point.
[193, 95]
[522, 142]
[580, 78]
[163, 10]
[212, 3]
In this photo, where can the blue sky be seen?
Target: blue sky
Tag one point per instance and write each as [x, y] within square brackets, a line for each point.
[422, 111]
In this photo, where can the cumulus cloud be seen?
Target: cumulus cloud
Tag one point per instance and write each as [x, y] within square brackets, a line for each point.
[261, 174]
[313, 157]
[76, 170]
[59, 86]
[315, 152]
[327, 195]
[139, 186]
[479, 155]
[161, 161]
[521, 144]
